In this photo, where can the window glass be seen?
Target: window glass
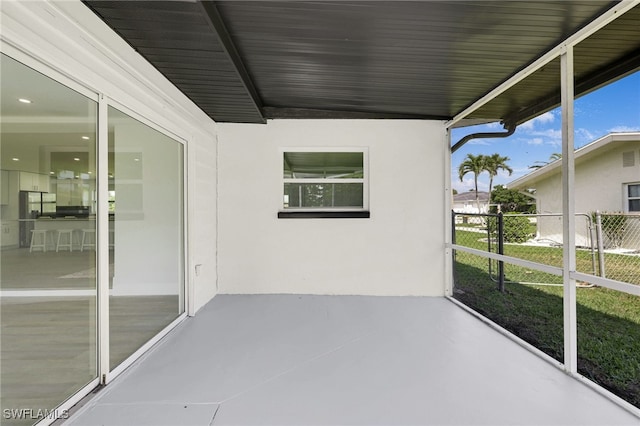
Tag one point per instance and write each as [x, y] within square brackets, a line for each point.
[323, 165]
[325, 195]
[634, 191]
[324, 180]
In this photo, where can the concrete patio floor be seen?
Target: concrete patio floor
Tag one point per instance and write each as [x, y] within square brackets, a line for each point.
[343, 360]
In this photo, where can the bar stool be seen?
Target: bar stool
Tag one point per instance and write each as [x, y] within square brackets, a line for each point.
[38, 240]
[68, 233]
[88, 239]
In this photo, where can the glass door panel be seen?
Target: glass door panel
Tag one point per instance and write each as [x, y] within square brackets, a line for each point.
[48, 279]
[146, 232]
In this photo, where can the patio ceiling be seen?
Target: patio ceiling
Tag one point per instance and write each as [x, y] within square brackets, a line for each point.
[243, 61]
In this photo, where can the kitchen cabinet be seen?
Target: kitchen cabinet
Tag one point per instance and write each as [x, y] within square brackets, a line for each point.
[9, 235]
[44, 183]
[34, 182]
[4, 187]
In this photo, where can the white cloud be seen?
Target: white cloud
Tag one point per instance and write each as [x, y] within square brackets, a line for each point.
[467, 184]
[478, 142]
[551, 137]
[545, 118]
[503, 174]
[623, 129]
[526, 125]
[585, 134]
[549, 133]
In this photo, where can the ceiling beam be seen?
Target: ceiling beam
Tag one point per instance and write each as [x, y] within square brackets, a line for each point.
[214, 20]
[309, 113]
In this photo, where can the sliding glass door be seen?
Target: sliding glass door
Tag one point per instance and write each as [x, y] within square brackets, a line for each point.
[56, 297]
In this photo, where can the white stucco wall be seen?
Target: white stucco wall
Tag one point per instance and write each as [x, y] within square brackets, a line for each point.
[599, 185]
[68, 41]
[399, 250]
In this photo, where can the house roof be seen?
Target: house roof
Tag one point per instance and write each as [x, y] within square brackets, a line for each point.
[592, 149]
[248, 61]
[483, 196]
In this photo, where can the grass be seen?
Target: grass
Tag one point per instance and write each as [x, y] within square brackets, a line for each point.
[608, 321]
[618, 266]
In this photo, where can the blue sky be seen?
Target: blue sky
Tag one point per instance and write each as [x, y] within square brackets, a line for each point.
[613, 108]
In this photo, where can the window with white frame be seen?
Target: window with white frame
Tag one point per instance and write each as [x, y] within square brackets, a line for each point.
[325, 180]
[632, 193]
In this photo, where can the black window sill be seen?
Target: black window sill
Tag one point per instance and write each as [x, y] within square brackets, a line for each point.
[324, 215]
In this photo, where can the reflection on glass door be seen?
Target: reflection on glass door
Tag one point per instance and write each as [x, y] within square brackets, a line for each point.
[48, 279]
[146, 227]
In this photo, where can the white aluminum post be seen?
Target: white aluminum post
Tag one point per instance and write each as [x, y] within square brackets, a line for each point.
[448, 228]
[102, 240]
[568, 211]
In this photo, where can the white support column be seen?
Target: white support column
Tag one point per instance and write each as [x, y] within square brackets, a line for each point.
[448, 261]
[568, 210]
[102, 240]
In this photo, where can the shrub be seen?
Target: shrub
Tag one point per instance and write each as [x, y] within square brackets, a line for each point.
[516, 228]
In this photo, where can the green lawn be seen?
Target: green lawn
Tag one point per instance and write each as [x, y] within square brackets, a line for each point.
[617, 266]
[608, 320]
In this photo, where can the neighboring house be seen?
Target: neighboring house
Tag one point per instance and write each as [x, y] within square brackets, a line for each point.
[607, 178]
[466, 202]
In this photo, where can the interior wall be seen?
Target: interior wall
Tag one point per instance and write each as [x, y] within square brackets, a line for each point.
[399, 250]
[75, 45]
[147, 211]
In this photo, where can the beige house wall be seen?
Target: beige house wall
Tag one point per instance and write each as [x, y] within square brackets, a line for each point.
[600, 179]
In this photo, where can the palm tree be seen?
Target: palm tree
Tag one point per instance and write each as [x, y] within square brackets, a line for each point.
[553, 157]
[494, 163]
[473, 164]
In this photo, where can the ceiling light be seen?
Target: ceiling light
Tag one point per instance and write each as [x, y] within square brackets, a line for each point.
[88, 173]
[86, 138]
[136, 159]
[15, 159]
[76, 159]
[52, 173]
[24, 101]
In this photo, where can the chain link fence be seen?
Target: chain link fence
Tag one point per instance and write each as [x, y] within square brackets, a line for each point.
[618, 245]
[607, 244]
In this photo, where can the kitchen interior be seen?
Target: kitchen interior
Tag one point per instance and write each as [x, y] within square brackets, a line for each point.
[48, 212]
[62, 197]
